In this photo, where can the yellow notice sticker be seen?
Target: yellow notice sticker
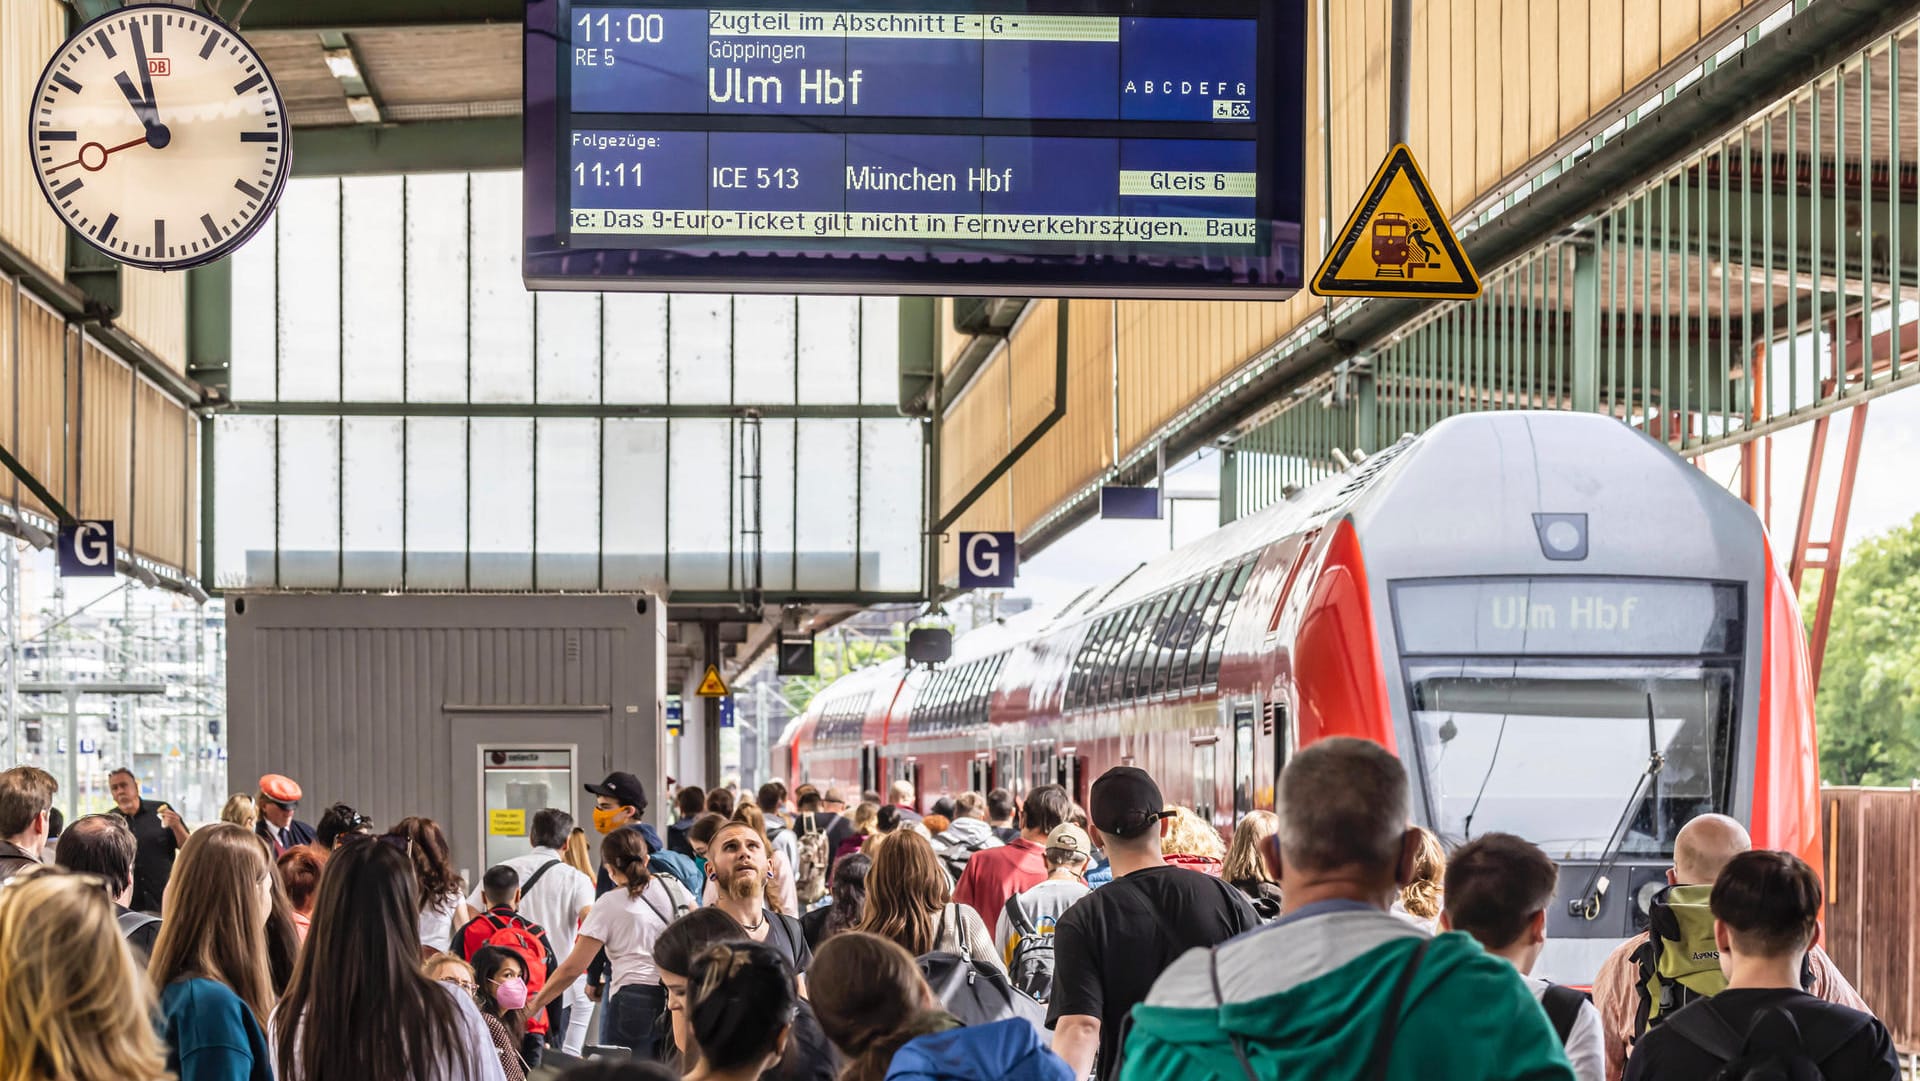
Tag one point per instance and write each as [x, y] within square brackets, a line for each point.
[1397, 243]
[507, 823]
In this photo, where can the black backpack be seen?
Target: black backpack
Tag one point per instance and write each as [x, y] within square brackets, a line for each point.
[975, 992]
[1563, 1009]
[1774, 1047]
[1032, 966]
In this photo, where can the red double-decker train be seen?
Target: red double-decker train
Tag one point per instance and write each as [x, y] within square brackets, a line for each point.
[1564, 630]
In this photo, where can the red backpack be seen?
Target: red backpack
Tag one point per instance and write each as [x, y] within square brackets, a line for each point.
[513, 932]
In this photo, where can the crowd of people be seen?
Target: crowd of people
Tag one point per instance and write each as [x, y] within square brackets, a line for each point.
[801, 935]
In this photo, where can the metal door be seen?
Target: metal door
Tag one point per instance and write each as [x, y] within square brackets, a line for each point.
[508, 761]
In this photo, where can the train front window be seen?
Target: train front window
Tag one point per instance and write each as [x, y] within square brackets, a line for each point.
[1537, 703]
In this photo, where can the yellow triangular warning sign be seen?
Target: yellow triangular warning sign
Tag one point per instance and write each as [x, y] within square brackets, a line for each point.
[711, 685]
[1397, 243]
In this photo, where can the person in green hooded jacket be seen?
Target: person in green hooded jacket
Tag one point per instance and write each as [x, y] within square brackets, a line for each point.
[1338, 988]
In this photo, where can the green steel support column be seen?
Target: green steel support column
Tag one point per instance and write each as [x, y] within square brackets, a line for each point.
[210, 326]
[1229, 485]
[1586, 329]
[1366, 428]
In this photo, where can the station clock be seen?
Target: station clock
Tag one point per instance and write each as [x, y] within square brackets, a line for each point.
[158, 135]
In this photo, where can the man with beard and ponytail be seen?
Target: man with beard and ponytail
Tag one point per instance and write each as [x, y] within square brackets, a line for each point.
[739, 864]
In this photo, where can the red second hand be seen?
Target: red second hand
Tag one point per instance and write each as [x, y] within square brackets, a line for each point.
[105, 153]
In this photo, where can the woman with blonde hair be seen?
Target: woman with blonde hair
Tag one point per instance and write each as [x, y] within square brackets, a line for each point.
[1245, 869]
[75, 1007]
[910, 903]
[241, 811]
[1422, 899]
[1192, 842]
[577, 853]
[210, 961]
[866, 822]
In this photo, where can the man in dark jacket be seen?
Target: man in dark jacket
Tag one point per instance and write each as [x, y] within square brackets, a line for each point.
[26, 806]
[103, 845]
[279, 798]
[158, 834]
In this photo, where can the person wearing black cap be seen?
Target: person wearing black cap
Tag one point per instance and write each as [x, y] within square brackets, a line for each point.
[1111, 945]
[618, 803]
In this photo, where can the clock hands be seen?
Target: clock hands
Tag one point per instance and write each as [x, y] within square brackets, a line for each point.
[142, 99]
[104, 151]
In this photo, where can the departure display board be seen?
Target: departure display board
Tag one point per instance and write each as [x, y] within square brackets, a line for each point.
[1060, 147]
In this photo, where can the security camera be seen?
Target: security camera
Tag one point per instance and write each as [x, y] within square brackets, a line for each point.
[33, 535]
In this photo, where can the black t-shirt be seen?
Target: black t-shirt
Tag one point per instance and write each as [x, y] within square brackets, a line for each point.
[810, 1055]
[1113, 943]
[154, 849]
[784, 934]
[1665, 1055]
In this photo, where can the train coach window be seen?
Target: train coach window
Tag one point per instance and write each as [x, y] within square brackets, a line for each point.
[1551, 749]
[1112, 672]
[1217, 644]
[1140, 652]
[1170, 647]
[1205, 622]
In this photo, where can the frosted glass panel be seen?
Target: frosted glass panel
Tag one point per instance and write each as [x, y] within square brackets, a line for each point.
[634, 337]
[763, 329]
[634, 523]
[890, 505]
[698, 530]
[255, 315]
[567, 505]
[309, 216]
[824, 531]
[879, 350]
[436, 288]
[243, 501]
[502, 313]
[372, 502]
[700, 340]
[776, 502]
[568, 355]
[436, 503]
[829, 350]
[309, 502]
[373, 332]
[500, 518]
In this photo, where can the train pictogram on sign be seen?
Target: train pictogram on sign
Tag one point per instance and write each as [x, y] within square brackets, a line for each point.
[1397, 242]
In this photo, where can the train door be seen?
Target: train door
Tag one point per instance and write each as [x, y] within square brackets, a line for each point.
[980, 773]
[869, 768]
[1206, 766]
[1069, 772]
[1243, 759]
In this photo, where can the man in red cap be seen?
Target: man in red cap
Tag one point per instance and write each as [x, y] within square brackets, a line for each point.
[278, 797]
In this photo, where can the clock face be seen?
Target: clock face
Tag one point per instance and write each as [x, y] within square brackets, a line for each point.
[159, 136]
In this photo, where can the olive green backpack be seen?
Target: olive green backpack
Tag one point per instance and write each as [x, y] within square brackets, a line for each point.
[1680, 961]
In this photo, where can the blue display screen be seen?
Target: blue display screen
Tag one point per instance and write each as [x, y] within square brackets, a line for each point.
[1116, 148]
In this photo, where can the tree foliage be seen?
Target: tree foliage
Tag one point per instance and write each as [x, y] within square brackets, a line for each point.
[833, 657]
[1869, 701]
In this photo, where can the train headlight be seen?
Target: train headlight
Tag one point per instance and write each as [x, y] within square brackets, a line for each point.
[1563, 537]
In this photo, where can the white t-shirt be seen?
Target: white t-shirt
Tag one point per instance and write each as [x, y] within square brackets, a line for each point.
[1043, 905]
[436, 923]
[554, 902]
[628, 926]
[1584, 1049]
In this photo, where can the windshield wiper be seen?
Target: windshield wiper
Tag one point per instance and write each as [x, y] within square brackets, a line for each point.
[1587, 905]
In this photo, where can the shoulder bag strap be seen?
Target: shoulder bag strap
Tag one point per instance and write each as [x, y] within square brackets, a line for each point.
[1017, 918]
[1382, 1056]
[1239, 1045]
[666, 920]
[527, 886]
[1701, 1025]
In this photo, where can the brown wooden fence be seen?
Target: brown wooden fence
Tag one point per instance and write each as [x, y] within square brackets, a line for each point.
[1872, 878]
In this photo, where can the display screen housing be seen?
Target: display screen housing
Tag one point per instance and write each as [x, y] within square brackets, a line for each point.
[1073, 147]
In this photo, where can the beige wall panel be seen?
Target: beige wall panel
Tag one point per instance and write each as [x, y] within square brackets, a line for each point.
[106, 438]
[1436, 99]
[9, 298]
[1034, 351]
[1573, 22]
[30, 31]
[951, 340]
[160, 508]
[1517, 85]
[1077, 448]
[976, 432]
[1679, 28]
[1486, 95]
[154, 311]
[42, 437]
[1604, 56]
[192, 496]
[1465, 37]
[1544, 65]
[1715, 12]
[1639, 41]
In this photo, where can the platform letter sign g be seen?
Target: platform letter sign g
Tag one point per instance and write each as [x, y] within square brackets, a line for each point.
[86, 549]
[987, 560]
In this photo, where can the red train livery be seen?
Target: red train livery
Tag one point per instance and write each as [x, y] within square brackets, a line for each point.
[1564, 630]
